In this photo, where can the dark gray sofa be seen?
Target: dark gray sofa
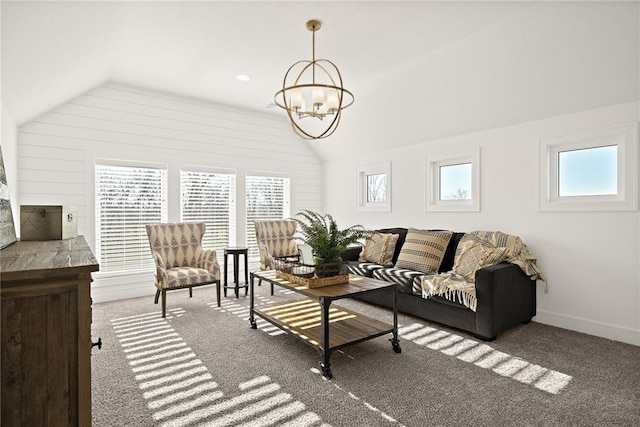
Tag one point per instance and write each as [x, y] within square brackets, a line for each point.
[506, 296]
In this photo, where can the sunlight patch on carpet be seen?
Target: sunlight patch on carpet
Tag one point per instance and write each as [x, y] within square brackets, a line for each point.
[180, 390]
[367, 405]
[486, 357]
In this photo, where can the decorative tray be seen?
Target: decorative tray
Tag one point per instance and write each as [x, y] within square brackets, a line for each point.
[313, 282]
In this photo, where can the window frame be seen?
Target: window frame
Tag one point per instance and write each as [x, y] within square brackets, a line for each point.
[250, 234]
[363, 205]
[624, 137]
[98, 224]
[232, 205]
[433, 163]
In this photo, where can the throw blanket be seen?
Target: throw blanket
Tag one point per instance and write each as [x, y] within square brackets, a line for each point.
[494, 247]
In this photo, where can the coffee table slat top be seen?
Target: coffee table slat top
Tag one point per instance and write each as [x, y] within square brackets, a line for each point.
[303, 318]
[357, 284]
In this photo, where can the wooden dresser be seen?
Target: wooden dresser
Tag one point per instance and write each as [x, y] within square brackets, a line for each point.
[45, 320]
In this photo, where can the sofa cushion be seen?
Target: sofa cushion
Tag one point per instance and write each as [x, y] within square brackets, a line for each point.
[379, 248]
[423, 250]
[362, 268]
[401, 276]
[402, 234]
[466, 242]
[475, 255]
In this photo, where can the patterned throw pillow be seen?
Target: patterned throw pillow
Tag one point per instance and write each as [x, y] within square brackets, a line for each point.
[423, 250]
[379, 248]
[474, 256]
[391, 248]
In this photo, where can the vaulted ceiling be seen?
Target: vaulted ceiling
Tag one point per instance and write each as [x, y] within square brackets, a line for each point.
[446, 67]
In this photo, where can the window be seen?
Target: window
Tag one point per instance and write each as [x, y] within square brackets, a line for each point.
[267, 198]
[453, 182]
[590, 171]
[209, 196]
[128, 198]
[374, 188]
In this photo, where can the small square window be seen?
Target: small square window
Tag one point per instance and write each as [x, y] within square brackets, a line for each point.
[374, 188]
[377, 188]
[453, 182]
[590, 171]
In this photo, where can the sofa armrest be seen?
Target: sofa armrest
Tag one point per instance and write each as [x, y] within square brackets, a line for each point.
[506, 296]
[352, 253]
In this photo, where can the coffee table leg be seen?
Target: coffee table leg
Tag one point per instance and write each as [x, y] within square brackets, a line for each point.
[252, 319]
[326, 351]
[395, 343]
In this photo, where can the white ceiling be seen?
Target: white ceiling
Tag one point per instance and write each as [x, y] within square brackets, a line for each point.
[53, 51]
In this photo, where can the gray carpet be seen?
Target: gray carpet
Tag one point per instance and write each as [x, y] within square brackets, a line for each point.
[204, 366]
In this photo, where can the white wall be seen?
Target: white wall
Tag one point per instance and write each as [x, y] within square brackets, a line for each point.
[550, 59]
[590, 258]
[57, 153]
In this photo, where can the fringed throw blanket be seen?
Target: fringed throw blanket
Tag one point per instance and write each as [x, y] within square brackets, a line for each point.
[452, 287]
[476, 250]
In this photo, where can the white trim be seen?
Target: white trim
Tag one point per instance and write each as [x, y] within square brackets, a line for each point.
[207, 169]
[591, 327]
[270, 174]
[130, 164]
[123, 273]
[624, 137]
[363, 205]
[433, 163]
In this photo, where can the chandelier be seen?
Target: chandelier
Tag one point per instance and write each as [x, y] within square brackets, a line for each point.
[313, 90]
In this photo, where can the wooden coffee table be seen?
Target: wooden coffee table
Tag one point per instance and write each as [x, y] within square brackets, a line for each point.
[313, 320]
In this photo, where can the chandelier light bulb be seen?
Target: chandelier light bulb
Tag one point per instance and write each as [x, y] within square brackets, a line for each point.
[296, 99]
[318, 96]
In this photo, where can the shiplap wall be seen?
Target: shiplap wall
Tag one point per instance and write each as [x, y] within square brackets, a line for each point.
[57, 153]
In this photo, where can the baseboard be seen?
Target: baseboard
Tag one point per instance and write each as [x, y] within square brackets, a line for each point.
[104, 289]
[586, 326]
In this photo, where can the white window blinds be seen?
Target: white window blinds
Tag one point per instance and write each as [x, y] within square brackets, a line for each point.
[210, 198]
[127, 198]
[267, 198]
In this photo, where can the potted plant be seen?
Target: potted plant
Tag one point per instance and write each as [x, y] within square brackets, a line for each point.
[327, 241]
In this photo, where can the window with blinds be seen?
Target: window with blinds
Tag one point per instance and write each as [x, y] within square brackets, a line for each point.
[268, 197]
[209, 197]
[127, 198]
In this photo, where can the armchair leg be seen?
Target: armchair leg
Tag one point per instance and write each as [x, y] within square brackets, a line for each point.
[164, 303]
[218, 292]
[190, 292]
[157, 296]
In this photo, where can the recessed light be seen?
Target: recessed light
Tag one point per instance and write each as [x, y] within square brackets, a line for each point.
[243, 77]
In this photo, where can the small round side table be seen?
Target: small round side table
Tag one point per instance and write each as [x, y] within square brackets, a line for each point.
[235, 252]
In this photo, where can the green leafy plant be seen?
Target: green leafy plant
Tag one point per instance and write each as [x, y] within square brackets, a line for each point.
[321, 232]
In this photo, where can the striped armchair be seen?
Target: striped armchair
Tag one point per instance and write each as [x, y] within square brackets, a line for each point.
[275, 240]
[181, 262]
